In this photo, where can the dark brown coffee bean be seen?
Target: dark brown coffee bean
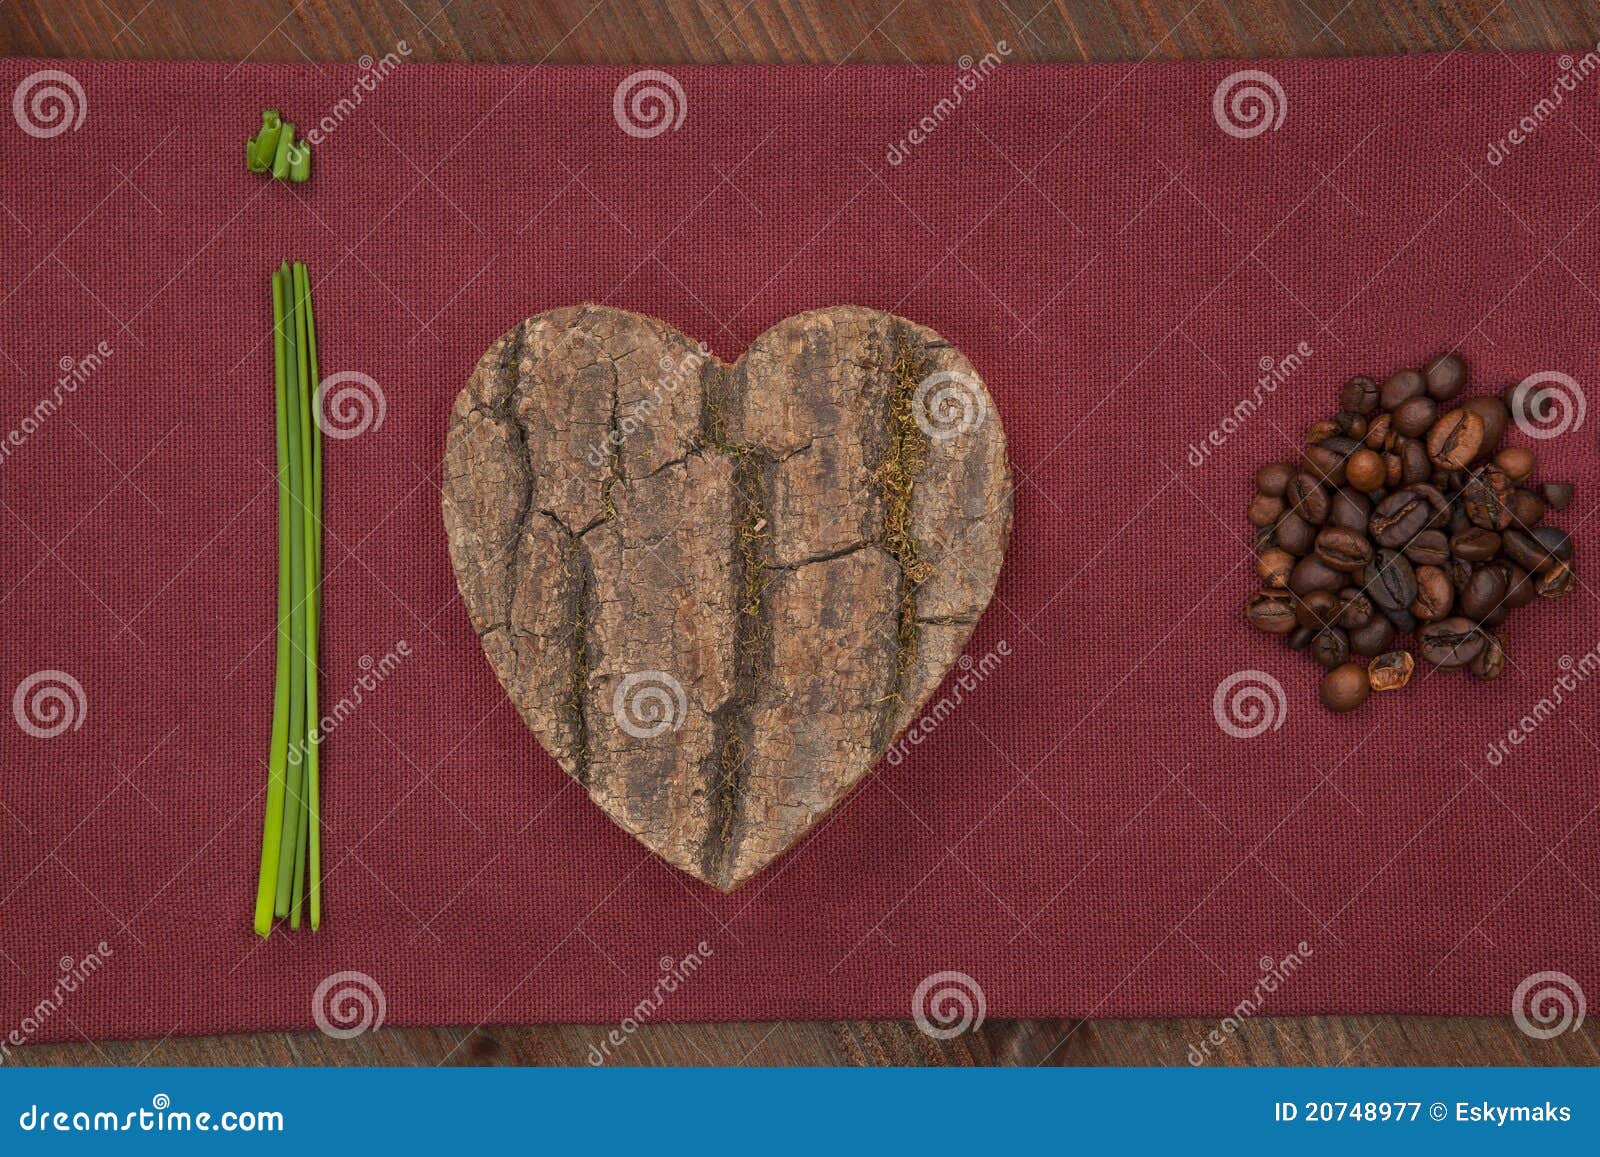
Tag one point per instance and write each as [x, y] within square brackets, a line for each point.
[1495, 416]
[1364, 470]
[1380, 432]
[1299, 638]
[1373, 639]
[1264, 510]
[1415, 415]
[1456, 438]
[1312, 574]
[1308, 498]
[1460, 572]
[1475, 544]
[1495, 617]
[1402, 387]
[1527, 508]
[1430, 548]
[1351, 424]
[1556, 581]
[1344, 688]
[1390, 581]
[1486, 498]
[1533, 550]
[1343, 550]
[1399, 518]
[1394, 468]
[1273, 566]
[1273, 477]
[1556, 542]
[1316, 609]
[1490, 663]
[1350, 509]
[1446, 375]
[1391, 670]
[1414, 464]
[1558, 494]
[1331, 647]
[1450, 643]
[1321, 430]
[1272, 611]
[1360, 395]
[1266, 539]
[1435, 595]
[1326, 459]
[1519, 585]
[1294, 534]
[1485, 592]
[1355, 609]
[1517, 461]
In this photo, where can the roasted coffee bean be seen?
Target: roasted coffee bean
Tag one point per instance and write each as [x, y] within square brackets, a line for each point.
[1344, 688]
[1414, 464]
[1360, 394]
[1556, 542]
[1485, 591]
[1527, 508]
[1308, 498]
[1380, 432]
[1373, 639]
[1519, 585]
[1430, 548]
[1349, 508]
[1394, 468]
[1450, 643]
[1390, 581]
[1490, 662]
[1343, 549]
[1517, 461]
[1272, 611]
[1351, 424]
[1446, 375]
[1535, 552]
[1475, 544]
[1404, 621]
[1435, 595]
[1487, 498]
[1273, 477]
[1558, 580]
[1364, 470]
[1456, 438]
[1557, 494]
[1415, 415]
[1402, 387]
[1264, 510]
[1294, 534]
[1312, 574]
[1300, 638]
[1495, 416]
[1331, 647]
[1495, 617]
[1321, 430]
[1355, 609]
[1316, 609]
[1399, 518]
[1460, 572]
[1391, 670]
[1273, 566]
[1326, 459]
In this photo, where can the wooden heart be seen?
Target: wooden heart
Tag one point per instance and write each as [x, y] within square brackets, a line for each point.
[718, 593]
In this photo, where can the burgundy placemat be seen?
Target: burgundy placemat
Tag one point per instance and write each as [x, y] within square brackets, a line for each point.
[1081, 837]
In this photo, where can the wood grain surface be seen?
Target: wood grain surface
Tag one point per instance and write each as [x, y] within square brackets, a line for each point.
[818, 31]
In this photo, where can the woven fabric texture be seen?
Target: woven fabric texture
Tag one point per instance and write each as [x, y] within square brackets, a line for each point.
[1080, 837]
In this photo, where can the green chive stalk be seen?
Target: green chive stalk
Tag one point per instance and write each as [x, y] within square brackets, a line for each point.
[308, 432]
[314, 438]
[298, 595]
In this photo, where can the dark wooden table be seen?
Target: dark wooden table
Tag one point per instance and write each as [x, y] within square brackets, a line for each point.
[818, 31]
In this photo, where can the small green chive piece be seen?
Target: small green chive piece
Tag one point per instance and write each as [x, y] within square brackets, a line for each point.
[264, 148]
[250, 157]
[299, 161]
[280, 160]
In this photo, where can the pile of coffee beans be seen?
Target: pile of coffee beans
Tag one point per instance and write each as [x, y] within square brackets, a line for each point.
[1405, 530]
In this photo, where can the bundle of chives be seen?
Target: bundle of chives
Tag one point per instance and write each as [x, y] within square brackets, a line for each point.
[291, 844]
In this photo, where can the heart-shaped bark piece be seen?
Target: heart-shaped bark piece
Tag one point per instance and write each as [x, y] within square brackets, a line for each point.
[718, 593]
